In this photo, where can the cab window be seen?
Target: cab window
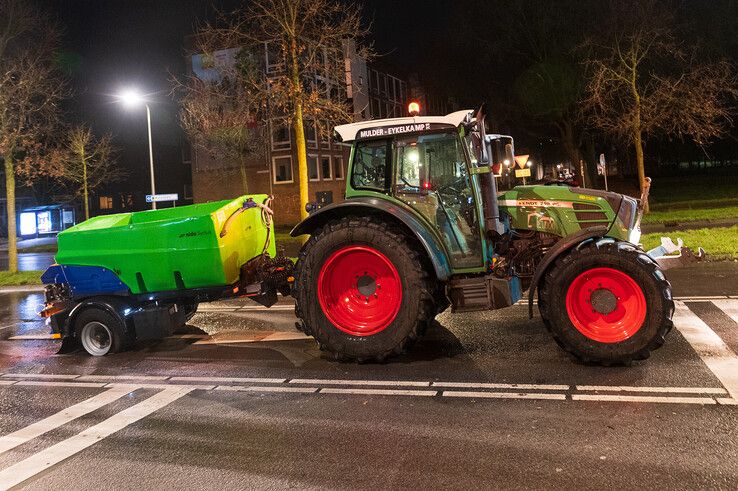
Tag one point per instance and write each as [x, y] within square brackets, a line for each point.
[371, 165]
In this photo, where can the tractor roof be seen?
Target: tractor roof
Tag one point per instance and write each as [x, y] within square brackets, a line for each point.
[393, 126]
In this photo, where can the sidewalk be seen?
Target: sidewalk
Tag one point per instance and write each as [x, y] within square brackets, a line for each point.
[28, 243]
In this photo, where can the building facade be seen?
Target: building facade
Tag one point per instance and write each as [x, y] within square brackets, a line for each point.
[372, 93]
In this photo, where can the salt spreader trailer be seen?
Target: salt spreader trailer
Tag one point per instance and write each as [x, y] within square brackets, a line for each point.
[422, 228]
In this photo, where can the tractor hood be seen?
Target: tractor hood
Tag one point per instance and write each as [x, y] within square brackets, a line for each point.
[562, 211]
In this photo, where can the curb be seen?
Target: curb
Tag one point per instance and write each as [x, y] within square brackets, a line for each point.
[22, 289]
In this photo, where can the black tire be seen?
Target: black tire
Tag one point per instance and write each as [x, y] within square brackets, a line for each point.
[417, 307]
[94, 320]
[625, 258]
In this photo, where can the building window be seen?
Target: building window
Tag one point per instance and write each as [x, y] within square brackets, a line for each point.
[325, 168]
[280, 136]
[312, 163]
[282, 169]
[338, 167]
[106, 202]
[310, 135]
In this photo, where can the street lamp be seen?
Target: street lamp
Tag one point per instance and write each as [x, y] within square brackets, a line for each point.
[131, 98]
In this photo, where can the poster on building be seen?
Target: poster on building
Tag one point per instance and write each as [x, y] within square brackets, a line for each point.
[44, 222]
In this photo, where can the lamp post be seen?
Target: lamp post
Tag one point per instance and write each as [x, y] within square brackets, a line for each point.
[131, 98]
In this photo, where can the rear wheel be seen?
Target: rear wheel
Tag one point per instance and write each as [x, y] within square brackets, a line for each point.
[99, 332]
[607, 302]
[361, 289]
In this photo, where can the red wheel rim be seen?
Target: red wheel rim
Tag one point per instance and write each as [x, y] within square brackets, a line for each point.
[606, 305]
[359, 290]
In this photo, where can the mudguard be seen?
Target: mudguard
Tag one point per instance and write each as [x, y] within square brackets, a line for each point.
[394, 213]
[561, 247]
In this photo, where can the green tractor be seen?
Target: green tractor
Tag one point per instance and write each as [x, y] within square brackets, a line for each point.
[423, 227]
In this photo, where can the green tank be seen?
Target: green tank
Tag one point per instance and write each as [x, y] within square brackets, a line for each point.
[178, 248]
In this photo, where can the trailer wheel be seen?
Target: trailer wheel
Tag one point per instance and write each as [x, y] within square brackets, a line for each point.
[362, 290]
[607, 302]
[99, 332]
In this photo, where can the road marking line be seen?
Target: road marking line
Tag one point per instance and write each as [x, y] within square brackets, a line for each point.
[727, 402]
[144, 385]
[683, 390]
[379, 392]
[484, 385]
[660, 399]
[730, 307]
[7, 382]
[39, 462]
[395, 383]
[63, 417]
[42, 375]
[49, 383]
[105, 378]
[503, 395]
[236, 388]
[243, 380]
[718, 357]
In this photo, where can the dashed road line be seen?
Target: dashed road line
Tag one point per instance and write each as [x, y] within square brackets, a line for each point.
[63, 417]
[235, 380]
[718, 357]
[653, 399]
[39, 462]
[485, 385]
[379, 392]
[504, 395]
[683, 390]
[256, 388]
[394, 383]
[53, 383]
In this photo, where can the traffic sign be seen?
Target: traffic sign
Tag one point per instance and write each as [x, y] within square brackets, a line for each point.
[151, 198]
[521, 160]
[522, 172]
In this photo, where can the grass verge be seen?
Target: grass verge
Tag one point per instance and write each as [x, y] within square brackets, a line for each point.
[720, 243]
[691, 215]
[20, 278]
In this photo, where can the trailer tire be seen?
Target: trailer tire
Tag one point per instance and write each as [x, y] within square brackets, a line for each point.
[377, 272]
[607, 302]
[99, 332]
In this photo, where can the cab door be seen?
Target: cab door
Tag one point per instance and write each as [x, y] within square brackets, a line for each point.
[432, 177]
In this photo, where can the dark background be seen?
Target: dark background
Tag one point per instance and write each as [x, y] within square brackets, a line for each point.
[473, 49]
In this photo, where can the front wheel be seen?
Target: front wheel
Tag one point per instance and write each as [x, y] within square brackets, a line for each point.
[362, 290]
[607, 302]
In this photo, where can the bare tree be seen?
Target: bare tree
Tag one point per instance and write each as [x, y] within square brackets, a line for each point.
[219, 117]
[305, 80]
[642, 82]
[29, 91]
[87, 162]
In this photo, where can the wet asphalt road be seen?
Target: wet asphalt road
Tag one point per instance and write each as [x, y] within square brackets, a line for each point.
[29, 261]
[269, 413]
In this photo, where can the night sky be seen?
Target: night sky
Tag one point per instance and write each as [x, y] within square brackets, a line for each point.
[111, 45]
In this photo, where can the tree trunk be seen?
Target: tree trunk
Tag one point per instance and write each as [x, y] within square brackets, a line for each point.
[566, 132]
[10, 195]
[85, 189]
[638, 136]
[244, 177]
[302, 170]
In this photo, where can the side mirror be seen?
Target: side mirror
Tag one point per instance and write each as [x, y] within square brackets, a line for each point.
[509, 154]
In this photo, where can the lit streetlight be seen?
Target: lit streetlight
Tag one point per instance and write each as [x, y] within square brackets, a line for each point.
[131, 98]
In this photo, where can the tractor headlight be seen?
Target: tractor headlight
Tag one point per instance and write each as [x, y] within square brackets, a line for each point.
[635, 236]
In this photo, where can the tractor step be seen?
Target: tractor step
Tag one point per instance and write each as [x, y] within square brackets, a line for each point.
[483, 293]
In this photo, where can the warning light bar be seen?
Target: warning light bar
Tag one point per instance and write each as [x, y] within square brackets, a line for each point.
[413, 108]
